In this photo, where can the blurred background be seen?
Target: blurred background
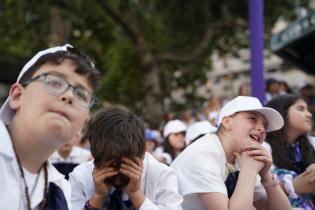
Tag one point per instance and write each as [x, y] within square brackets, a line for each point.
[162, 56]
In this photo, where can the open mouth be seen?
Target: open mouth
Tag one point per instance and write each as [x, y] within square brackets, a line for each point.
[255, 138]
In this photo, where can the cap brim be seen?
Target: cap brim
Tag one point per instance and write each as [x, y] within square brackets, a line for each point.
[275, 120]
[6, 113]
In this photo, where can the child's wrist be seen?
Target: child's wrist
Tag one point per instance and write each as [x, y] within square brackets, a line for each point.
[137, 198]
[249, 172]
[89, 206]
[97, 200]
[273, 182]
[268, 177]
[135, 193]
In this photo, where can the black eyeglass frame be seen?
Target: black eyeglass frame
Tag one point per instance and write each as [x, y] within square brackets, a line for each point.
[93, 100]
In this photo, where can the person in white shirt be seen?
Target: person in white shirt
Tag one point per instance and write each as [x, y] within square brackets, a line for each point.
[207, 177]
[122, 175]
[68, 156]
[46, 107]
[75, 155]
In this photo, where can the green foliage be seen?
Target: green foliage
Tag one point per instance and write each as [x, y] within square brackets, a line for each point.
[123, 82]
[23, 28]
[175, 26]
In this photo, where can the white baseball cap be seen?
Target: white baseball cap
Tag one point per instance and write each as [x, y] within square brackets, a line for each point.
[6, 113]
[247, 103]
[197, 129]
[174, 126]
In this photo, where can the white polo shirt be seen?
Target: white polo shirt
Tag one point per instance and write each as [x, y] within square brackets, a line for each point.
[158, 183]
[77, 155]
[201, 168]
[11, 183]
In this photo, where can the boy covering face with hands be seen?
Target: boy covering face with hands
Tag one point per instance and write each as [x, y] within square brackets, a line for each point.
[122, 176]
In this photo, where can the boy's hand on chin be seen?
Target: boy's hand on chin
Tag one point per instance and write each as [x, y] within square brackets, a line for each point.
[246, 162]
[259, 153]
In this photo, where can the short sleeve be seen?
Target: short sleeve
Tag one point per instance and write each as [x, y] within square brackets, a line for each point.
[200, 172]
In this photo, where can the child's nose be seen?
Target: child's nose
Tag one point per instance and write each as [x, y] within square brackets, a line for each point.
[68, 96]
[261, 126]
[309, 114]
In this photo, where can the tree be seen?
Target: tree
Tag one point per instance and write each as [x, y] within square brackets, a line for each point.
[138, 44]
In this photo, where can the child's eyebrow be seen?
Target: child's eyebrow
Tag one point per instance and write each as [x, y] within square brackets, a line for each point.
[256, 114]
[58, 74]
[65, 77]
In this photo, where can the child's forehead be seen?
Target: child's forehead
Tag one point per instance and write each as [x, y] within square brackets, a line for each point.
[256, 114]
[66, 70]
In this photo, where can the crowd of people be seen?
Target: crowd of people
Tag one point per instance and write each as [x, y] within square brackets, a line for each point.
[239, 154]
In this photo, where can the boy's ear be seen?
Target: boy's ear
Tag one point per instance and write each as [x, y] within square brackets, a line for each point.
[227, 123]
[16, 92]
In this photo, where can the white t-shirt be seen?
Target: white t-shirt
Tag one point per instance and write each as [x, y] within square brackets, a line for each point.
[77, 155]
[158, 183]
[312, 141]
[201, 168]
[12, 186]
[159, 153]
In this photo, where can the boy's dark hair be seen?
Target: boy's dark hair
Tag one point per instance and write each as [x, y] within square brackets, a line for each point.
[113, 133]
[276, 139]
[84, 65]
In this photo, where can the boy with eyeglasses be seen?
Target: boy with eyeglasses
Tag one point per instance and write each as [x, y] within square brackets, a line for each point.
[46, 107]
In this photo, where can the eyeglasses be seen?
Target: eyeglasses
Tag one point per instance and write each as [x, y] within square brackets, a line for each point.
[58, 86]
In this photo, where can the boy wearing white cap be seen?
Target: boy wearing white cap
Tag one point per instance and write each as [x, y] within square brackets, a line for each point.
[210, 180]
[46, 107]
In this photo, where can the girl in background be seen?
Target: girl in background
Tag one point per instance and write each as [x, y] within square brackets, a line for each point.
[293, 150]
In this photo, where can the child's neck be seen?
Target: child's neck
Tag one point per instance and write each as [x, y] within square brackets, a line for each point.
[64, 153]
[227, 147]
[292, 136]
[31, 153]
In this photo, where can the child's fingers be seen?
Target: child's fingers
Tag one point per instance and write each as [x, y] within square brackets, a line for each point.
[263, 159]
[131, 174]
[306, 172]
[258, 152]
[101, 177]
[138, 161]
[253, 146]
[133, 163]
[106, 164]
[130, 168]
[104, 172]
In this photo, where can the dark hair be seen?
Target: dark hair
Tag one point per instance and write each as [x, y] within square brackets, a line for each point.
[113, 133]
[168, 148]
[276, 139]
[84, 65]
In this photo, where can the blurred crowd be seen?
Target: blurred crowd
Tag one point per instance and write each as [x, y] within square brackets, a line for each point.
[230, 154]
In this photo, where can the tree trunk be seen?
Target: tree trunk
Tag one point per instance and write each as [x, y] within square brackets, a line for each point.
[60, 28]
[153, 100]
